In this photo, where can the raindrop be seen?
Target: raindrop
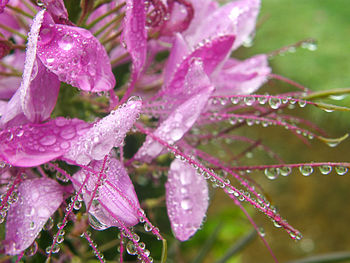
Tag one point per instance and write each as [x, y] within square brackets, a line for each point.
[235, 100]
[285, 170]
[261, 231]
[49, 224]
[302, 103]
[95, 223]
[186, 204]
[131, 248]
[249, 101]
[341, 170]
[325, 169]
[306, 170]
[31, 251]
[275, 103]
[32, 225]
[262, 100]
[272, 173]
[60, 239]
[148, 227]
[77, 205]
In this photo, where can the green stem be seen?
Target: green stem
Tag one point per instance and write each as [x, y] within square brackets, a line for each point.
[12, 74]
[112, 37]
[9, 29]
[322, 94]
[93, 23]
[115, 20]
[120, 58]
[20, 11]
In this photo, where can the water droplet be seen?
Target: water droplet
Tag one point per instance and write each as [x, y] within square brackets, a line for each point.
[262, 232]
[31, 251]
[95, 223]
[275, 103]
[48, 140]
[272, 173]
[325, 169]
[186, 204]
[176, 134]
[285, 170]
[235, 100]
[31, 225]
[306, 170]
[66, 42]
[249, 101]
[262, 100]
[60, 239]
[131, 248]
[302, 103]
[49, 224]
[341, 170]
[148, 227]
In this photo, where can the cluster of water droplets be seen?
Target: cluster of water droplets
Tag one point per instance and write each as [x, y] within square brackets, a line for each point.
[273, 173]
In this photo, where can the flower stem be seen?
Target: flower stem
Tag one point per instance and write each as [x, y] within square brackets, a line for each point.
[100, 18]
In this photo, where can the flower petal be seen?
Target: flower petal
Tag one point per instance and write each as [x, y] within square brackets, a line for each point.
[241, 77]
[211, 53]
[235, 18]
[57, 10]
[75, 56]
[34, 144]
[183, 117]
[186, 199]
[108, 197]
[38, 199]
[3, 5]
[109, 132]
[135, 33]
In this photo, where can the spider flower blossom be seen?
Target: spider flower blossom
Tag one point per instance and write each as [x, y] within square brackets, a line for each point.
[179, 100]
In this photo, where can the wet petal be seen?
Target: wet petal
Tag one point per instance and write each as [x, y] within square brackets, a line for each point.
[135, 34]
[186, 199]
[183, 117]
[100, 218]
[75, 56]
[241, 77]
[236, 18]
[57, 10]
[211, 53]
[109, 132]
[38, 199]
[34, 144]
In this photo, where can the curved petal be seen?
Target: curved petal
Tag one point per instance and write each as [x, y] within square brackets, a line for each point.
[183, 117]
[236, 18]
[75, 56]
[135, 33]
[34, 144]
[109, 132]
[109, 197]
[241, 77]
[3, 5]
[211, 53]
[38, 199]
[57, 10]
[186, 199]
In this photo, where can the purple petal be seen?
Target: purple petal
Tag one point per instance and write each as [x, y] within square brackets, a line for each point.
[108, 196]
[109, 132]
[241, 77]
[57, 10]
[135, 34]
[75, 56]
[34, 144]
[183, 117]
[178, 51]
[186, 199]
[38, 199]
[236, 18]
[210, 53]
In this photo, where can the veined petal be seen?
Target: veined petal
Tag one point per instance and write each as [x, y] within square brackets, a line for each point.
[75, 56]
[183, 117]
[34, 144]
[186, 199]
[38, 199]
[2, 5]
[109, 132]
[39, 88]
[241, 77]
[135, 33]
[211, 53]
[108, 196]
